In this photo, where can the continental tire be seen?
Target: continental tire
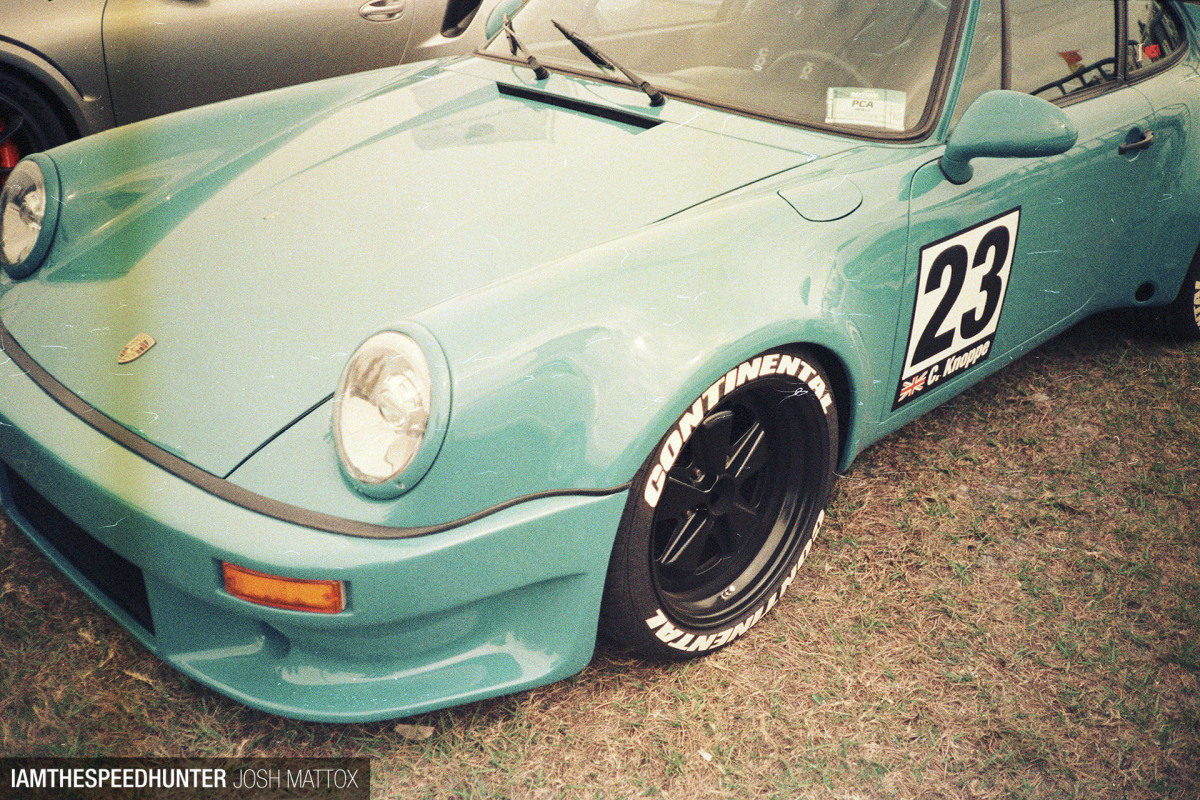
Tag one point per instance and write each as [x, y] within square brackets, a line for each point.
[724, 510]
[1183, 315]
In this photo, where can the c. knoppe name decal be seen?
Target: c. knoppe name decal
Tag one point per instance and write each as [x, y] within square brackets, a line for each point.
[756, 368]
[690, 643]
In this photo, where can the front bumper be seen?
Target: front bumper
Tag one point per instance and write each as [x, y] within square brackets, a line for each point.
[499, 604]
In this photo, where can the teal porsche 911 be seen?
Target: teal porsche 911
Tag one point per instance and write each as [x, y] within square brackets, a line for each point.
[393, 391]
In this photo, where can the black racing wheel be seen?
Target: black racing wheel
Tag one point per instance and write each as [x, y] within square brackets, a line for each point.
[724, 510]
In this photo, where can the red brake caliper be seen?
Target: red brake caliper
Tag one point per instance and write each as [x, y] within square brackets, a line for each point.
[9, 154]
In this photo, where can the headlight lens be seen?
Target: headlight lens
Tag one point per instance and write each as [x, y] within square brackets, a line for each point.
[28, 213]
[382, 412]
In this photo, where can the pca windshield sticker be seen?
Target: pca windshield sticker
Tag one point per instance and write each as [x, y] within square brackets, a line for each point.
[960, 293]
[869, 108]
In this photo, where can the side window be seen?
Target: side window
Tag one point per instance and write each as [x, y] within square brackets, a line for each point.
[1154, 34]
[1062, 48]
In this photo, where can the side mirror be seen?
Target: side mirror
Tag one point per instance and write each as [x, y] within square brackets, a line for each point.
[495, 20]
[1006, 124]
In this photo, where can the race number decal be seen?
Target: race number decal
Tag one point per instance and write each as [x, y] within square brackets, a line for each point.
[960, 292]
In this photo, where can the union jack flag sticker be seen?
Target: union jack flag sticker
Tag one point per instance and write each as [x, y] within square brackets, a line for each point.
[912, 387]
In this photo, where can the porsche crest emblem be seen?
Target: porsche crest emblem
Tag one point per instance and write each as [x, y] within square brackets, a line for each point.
[136, 347]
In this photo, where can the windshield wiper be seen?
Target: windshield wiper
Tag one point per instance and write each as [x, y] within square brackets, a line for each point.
[539, 72]
[604, 62]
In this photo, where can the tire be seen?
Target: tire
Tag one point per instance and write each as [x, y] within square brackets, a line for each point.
[28, 123]
[1182, 317]
[724, 510]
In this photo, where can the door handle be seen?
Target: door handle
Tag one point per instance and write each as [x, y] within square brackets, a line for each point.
[382, 10]
[1141, 144]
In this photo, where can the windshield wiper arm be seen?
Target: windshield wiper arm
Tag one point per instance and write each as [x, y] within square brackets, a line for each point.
[604, 62]
[539, 72]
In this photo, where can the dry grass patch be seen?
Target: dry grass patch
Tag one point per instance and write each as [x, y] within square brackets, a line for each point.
[1005, 603]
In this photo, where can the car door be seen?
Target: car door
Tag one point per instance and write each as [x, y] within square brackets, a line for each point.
[164, 55]
[1020, 250]
[1160, 70]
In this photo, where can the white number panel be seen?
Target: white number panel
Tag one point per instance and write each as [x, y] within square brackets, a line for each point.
[960, 294]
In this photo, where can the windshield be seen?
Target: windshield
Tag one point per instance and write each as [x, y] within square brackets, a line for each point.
[867, 66]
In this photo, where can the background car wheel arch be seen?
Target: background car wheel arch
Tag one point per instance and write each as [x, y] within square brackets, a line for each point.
[55, 89]
[28, 123]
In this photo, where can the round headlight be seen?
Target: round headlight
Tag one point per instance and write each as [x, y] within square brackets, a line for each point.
[389, 414]
[28, 213]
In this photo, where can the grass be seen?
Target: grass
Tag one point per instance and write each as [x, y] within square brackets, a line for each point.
[1005, 603]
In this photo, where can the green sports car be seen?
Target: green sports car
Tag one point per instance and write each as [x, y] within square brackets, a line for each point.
[388, 392]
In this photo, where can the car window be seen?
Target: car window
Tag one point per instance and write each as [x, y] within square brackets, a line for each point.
[1062, 48]
[1154, 34]
[870, 66]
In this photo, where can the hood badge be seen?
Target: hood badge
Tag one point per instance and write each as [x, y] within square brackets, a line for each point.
[136, 348]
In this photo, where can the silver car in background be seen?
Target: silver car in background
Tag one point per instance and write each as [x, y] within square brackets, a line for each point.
[73, 67]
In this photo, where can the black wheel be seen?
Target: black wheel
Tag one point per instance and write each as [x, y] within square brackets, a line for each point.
[28, 123]
[1183, 315]
[724, 511]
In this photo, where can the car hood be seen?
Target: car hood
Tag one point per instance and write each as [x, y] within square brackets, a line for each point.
[259, 241]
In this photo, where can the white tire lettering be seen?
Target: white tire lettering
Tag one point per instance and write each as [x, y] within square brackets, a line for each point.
[682, 644]
[668, 633]
[691, 418]
[712, 395]
[670, 450]
[655, 486]
[747, 371]
[773, 600]
[789, 365]
[730, 380]
[658, 619]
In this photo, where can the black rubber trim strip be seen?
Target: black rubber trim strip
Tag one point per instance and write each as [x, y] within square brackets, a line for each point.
[230, 492]
[582, 106]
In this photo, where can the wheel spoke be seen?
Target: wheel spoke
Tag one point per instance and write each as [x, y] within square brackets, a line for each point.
[749, 454]
[712, 440]
[686, 548]
[679, 497]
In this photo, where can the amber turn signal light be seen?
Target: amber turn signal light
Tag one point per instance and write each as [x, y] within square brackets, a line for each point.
[297, 594]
